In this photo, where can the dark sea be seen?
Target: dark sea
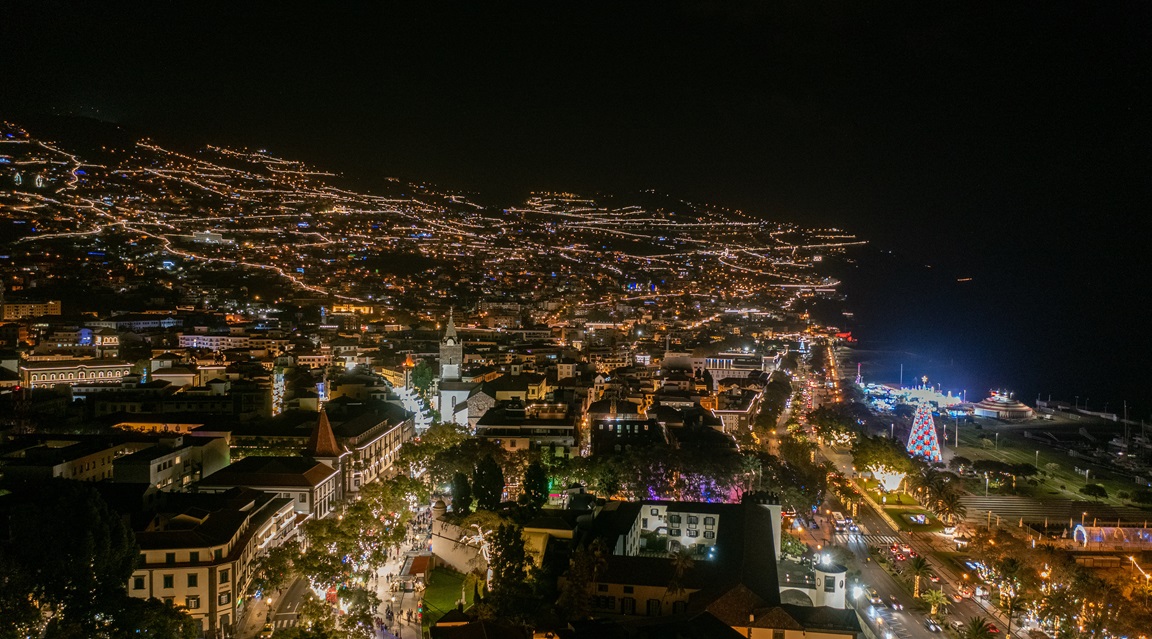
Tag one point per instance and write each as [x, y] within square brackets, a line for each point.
[1035, 337]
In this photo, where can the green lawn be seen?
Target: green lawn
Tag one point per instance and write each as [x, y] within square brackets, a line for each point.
[443, 592]
[884, 499]
[1057, 479]
[899, 516]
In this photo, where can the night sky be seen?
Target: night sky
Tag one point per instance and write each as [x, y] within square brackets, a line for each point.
[1007, 143]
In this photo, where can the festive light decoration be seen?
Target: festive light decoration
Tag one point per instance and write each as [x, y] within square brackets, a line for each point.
[922, 440]
[888, 478]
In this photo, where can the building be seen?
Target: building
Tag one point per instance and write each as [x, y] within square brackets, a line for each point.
[174, 463]
[81, 460]
[453, 390]
[312, 485]
[517, 426]
[73, 372]
[27, 310]
[198, 551]
[734, 575]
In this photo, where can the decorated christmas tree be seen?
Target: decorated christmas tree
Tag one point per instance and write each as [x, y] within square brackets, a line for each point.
[922, 440]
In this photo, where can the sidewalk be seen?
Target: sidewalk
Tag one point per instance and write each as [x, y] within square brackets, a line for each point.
[394, 598]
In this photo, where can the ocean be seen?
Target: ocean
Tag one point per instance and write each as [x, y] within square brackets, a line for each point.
[991, 333]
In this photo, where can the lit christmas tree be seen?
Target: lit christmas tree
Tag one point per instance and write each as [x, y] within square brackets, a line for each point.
[922, 440]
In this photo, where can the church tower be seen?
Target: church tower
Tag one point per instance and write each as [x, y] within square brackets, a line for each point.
[451, 353]
[454, 391]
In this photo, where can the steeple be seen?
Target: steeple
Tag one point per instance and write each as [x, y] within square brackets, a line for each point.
[450, 331]
[451, 352]
[322, 443]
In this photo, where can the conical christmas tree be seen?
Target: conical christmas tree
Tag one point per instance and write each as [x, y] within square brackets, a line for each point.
[922, 440]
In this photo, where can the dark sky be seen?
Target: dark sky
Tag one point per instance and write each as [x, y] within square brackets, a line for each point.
[997, 140]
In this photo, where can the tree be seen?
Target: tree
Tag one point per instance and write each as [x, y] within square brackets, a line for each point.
[976, 628]
[422, 376]
[935, 598]
[1095, 491]
[534, 487]
[791, 545]
[67, 551]
[884, 458]
[152, 618]
[488, 484]
[918, 568]
[681, 563]
[461, 494]
[509, 565]
[584, 568]
[274, 567]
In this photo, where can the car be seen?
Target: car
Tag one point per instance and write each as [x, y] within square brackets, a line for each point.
[993, 629]
[895, 604]
[933, 577]
[957, 597]
[853, 528]
[266, 632]
[913, 553]
[932, 626]
[956, 625]
[905, 547]
[874, 597]
[900, 556]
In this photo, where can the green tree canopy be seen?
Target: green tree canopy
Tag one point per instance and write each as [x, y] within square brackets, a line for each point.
[461, 494]
[873, 453]
[534, 487]
[67, 551]
[488, 483]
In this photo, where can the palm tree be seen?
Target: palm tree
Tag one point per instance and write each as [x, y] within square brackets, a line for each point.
[681, 563]
[949, 507]
[918, 567]
[976, 628]
[935, 598]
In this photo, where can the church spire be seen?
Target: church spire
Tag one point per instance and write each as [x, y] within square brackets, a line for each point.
[322, 443]
[450, 331]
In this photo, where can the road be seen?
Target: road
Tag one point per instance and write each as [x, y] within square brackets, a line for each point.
[877, 532]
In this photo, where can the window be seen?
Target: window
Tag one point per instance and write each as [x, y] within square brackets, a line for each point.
[709, 521]
[194, 556]
[628, 605]
[654, 512]
[224, 599]
[777, 634]
[303, 498]
[606, 603]
[143, 559]
[829, 584]
[169, 600]
[627, 590]
[224, 576]
[654, 607]
[192, 603]
[693, 520]
[679, 607]
[169, 581]
[673, 519]
[693, 533]
[193, 580]
[644, 523]
[709, 534]
[169, 557]
[137, 583]
[674, 532]
[218, 554]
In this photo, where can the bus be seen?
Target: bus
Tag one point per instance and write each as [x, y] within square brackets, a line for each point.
[839, 521]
